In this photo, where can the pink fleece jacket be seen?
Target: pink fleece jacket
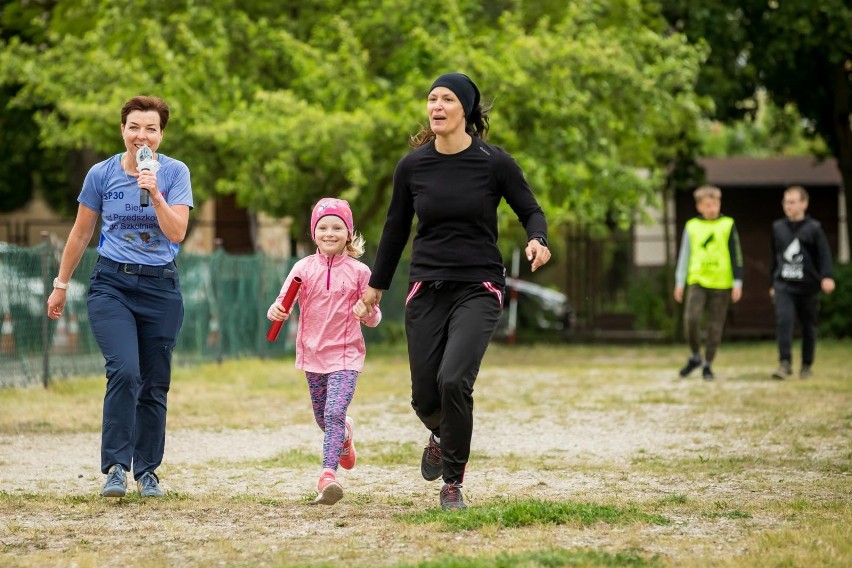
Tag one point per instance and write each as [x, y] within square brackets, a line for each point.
[329, 336]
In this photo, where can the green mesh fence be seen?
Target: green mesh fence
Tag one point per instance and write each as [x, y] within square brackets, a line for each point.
[225, 299]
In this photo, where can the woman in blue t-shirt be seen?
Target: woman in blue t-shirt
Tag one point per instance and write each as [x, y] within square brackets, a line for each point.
[134, 300]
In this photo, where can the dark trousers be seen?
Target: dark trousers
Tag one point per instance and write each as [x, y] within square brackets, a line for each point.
[787, 308]
[135, 320]
[449, 326]
[716, 302]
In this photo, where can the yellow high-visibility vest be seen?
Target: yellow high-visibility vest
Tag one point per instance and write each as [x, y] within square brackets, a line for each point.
[709, 255]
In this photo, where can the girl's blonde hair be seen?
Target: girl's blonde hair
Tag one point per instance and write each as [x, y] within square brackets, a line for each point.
[355, 247]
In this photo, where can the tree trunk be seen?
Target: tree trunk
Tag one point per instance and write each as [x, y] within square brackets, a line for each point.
[843, 134]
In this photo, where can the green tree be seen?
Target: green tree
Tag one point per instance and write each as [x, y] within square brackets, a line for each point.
[770, 131]
[25, 162]
[282, 102]
[798, 51]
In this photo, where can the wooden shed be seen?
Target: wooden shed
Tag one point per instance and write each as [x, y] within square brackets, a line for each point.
[752, 190]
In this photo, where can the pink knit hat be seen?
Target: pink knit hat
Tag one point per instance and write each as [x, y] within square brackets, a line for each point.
[331, 206]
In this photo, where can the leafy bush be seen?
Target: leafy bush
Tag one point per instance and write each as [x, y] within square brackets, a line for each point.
[836, 308]
[646, 299]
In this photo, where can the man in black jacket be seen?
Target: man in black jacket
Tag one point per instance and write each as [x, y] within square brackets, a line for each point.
[801, 268]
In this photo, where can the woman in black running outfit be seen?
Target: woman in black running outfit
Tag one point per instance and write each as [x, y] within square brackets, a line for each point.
[453, 181]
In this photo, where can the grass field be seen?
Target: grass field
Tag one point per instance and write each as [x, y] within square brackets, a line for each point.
[582, 456]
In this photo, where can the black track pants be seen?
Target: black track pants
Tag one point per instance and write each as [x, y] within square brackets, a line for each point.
[788, 307]
[449, 326]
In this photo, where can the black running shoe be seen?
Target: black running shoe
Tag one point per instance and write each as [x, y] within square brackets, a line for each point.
[707, 373]
[451, 497]
[432, 463]
[691, 364]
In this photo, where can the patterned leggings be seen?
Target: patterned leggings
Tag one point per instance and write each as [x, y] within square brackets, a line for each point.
[331, 394]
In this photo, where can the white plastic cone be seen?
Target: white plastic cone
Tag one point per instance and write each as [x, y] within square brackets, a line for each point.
[60, 338]
[73, 334]
[293, 326]
[213, 333]
[7, 339]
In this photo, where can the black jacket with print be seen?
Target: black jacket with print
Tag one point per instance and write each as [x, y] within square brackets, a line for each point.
[801, 257]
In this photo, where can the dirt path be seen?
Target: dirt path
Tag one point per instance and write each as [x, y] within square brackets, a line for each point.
[67, 463]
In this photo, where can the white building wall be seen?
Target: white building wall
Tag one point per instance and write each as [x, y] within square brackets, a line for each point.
[649, 246]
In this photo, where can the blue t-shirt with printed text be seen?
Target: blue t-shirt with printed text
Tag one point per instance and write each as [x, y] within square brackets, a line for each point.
[130, 233]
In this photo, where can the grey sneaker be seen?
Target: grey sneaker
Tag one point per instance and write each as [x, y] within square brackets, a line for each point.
[431, 463]
[806, 372]
[149, 485]
[784, 371]
[116, 482]
[451, 497]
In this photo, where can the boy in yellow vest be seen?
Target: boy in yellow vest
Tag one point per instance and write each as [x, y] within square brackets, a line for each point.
[710, 265]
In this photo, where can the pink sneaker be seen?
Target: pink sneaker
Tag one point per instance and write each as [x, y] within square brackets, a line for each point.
[329, 490]
[348, 456]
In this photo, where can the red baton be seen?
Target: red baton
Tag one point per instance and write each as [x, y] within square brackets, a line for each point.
[286, 303]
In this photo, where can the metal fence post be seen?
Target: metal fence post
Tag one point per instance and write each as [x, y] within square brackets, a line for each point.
[45, 321]
[216, 258]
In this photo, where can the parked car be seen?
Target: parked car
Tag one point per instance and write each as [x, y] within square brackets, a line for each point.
[543, 314]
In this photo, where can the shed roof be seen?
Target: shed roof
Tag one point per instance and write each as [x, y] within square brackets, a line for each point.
[804, 170]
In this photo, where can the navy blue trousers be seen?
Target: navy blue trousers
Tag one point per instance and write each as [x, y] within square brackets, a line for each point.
[448, 326]
[135, 320]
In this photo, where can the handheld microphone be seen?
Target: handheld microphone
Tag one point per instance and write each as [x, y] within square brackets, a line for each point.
[286, 303]
[145, 160]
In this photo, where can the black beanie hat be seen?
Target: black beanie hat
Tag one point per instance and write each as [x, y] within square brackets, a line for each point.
[465, 89]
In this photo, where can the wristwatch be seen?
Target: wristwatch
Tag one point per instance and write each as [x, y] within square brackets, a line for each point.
[59, 284]
[541, 240]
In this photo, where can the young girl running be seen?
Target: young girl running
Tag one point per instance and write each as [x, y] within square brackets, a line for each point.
[329, 343]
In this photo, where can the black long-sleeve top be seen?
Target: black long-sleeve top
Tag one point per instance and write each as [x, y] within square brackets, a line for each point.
[801, 257]
[455, 198]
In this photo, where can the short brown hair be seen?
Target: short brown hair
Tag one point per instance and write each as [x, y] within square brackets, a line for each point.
[706, 191]
[146, 103]
[803, 193]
